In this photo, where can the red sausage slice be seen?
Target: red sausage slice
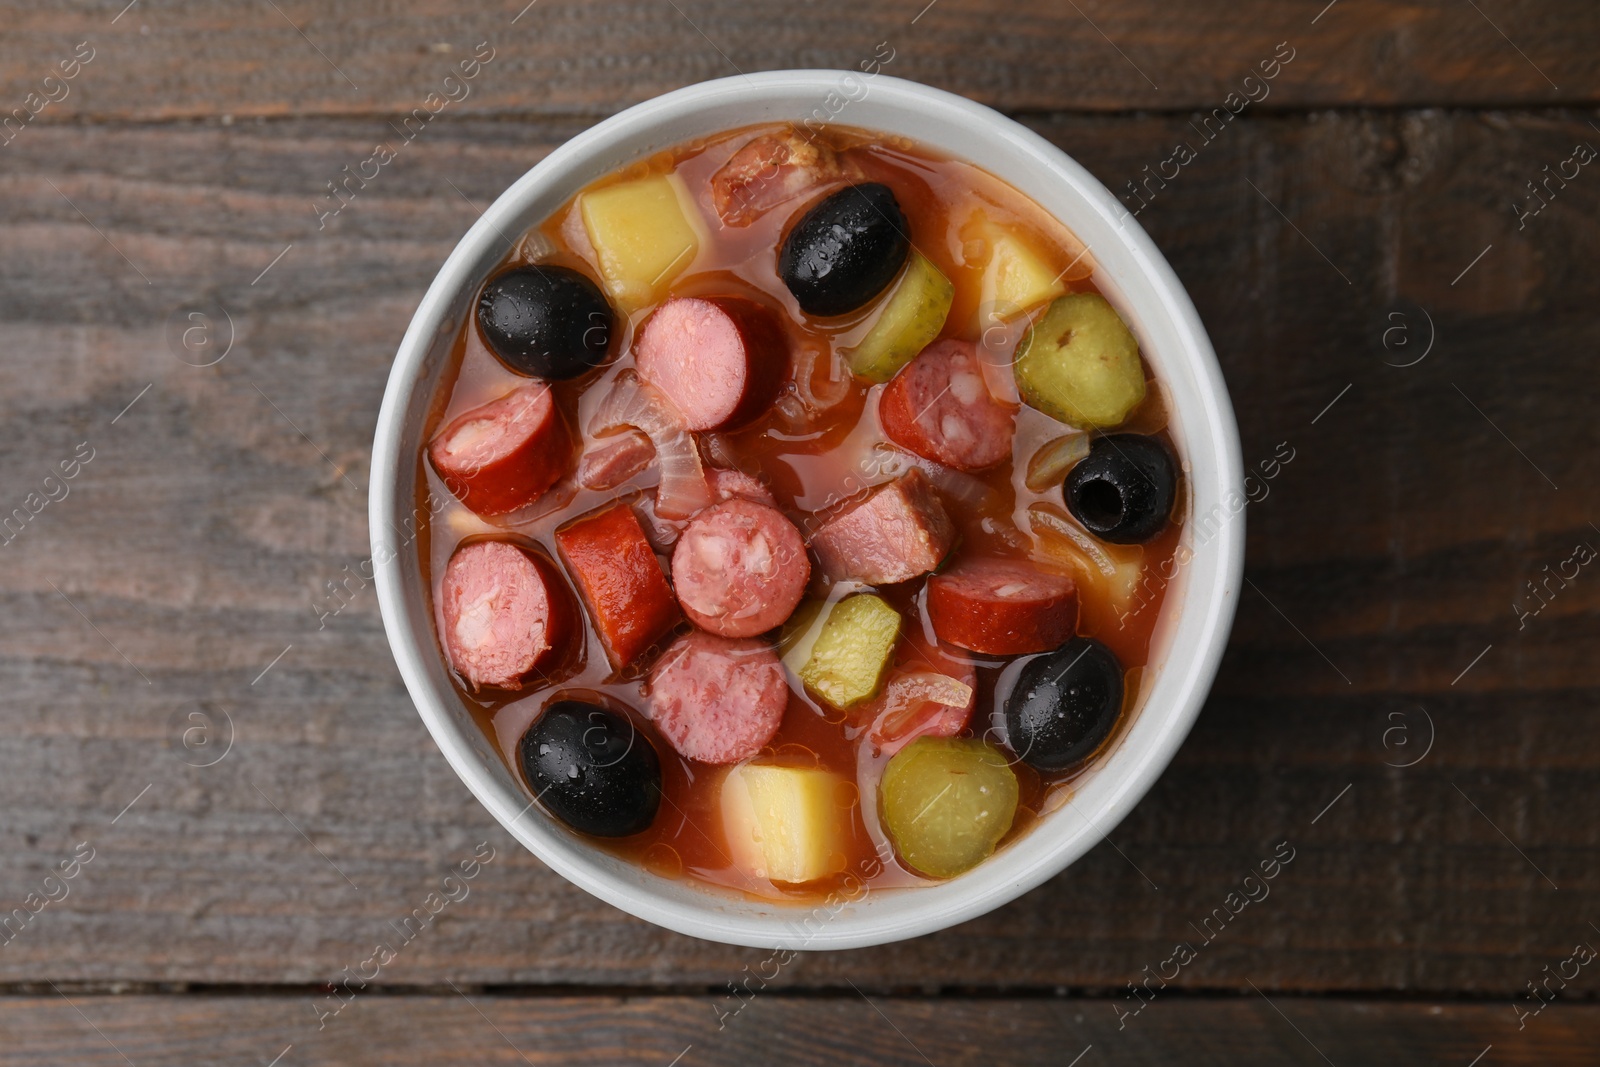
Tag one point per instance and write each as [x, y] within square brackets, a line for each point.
[1003, 607]
[719, 360]
[621, 581]
[716, 700]
[897, 533]
[615, 459]
[505, 454]
[773, 169]
[505, 613]
[740, 568]
[939, 407]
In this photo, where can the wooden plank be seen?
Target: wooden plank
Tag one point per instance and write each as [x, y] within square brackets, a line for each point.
[470, 1027]
[184, 573]
[191, 59]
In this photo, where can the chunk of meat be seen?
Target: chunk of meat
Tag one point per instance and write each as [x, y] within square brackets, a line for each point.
[1002, 607]
[505, 454]
[939, 407]
[727, 484]
[930, 693]
[613, 460]
[718, 700]
[504, 613]
[719, 360]
[618, 575]
[740, 568]
[773, 169]
[898, 532]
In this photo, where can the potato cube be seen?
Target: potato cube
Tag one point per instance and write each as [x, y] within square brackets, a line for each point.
[645, 232]
[1016, 277]
[784, 824]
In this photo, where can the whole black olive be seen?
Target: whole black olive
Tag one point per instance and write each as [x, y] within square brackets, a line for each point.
[1122, 491]
[846, 250]
[1064, 704]
[546, 321]
[592, 769]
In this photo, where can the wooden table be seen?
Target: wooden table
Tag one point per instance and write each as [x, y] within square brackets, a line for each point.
[261, 803]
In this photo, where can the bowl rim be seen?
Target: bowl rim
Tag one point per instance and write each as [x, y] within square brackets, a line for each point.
[1002, 877]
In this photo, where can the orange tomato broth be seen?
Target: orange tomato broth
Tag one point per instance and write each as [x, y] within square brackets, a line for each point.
[811, 457]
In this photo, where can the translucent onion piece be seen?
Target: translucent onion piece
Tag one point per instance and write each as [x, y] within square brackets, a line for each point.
[914, 699]
[958, 488]
[1042, 516]
[1048, 466]
[683, 489]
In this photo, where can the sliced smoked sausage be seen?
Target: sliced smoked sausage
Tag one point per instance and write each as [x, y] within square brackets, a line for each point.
[898, 532]
[617, 572]
[718, 700]
[505, 454]
[939, 407]
[773, 169]
[740, 568]
[1002, 607]
[720, 360]
[504, 613]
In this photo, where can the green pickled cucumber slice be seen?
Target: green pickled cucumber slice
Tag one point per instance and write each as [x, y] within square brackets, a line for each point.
[947, 802]
[849, 656]
[911, 319]
[1080, 364]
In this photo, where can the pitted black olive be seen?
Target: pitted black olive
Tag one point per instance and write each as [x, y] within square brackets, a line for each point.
[592, 769]
[1064, 704]
[546, 321]
[846, 250]
[1122, 491]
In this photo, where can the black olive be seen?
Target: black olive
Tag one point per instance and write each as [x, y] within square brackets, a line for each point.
[546, 321]
[1122, 491]
[592, 769]
[1064, 704]
[846, 250]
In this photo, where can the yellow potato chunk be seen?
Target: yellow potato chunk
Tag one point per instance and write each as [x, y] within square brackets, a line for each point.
[645, 232]
[1016, 277]
[783, 824]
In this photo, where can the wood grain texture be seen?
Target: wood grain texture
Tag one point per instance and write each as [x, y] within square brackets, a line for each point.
[592, 57]
[468, 1027]
[184, 574]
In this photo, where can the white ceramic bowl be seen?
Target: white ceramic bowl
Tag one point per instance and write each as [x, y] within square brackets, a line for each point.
[1134, 277]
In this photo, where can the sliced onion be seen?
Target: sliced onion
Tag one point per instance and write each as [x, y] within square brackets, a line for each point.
[1048, 466]
[1042, 516]
[961, 488]
[683, 489]
[914, 699]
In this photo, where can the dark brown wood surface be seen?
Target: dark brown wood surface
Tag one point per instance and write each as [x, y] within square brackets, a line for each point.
[1429, 754]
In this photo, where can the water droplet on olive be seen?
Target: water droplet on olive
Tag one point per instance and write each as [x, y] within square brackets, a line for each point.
[1064, 704]
[846, 250]
[592, 768]
[546, 321]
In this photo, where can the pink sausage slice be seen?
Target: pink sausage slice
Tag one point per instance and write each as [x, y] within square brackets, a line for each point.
[720, 360]
[898, 532]
[740, 568]
[716, 700]
[613, 460]
[939, 407]
[505, 613]
[505, 454]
